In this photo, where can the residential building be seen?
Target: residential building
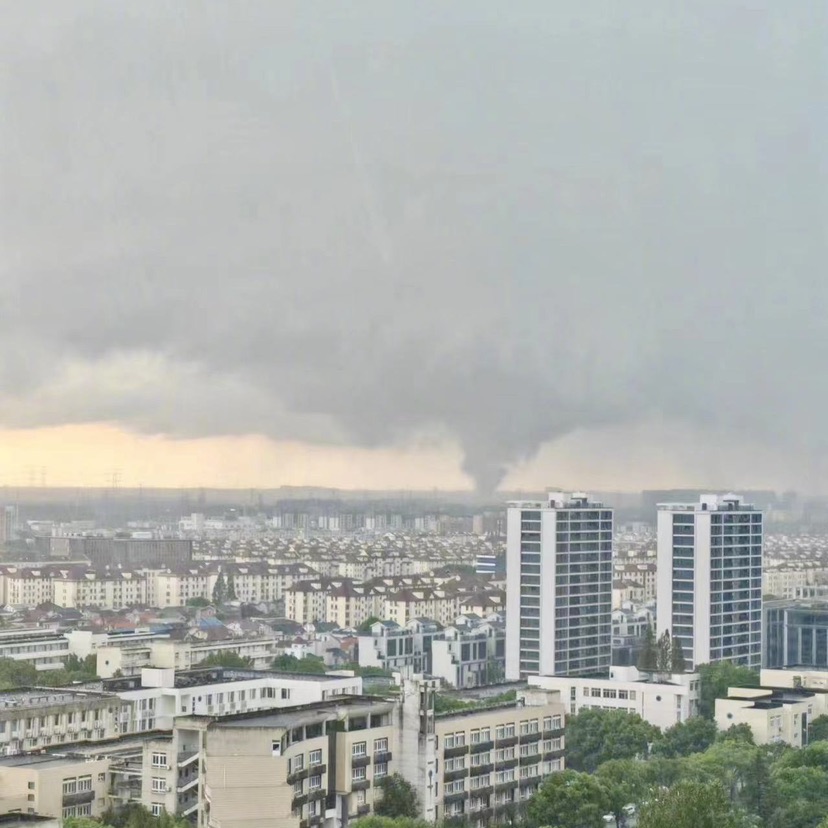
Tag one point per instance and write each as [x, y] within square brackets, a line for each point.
[662, 701]
[105, 588]
[470, 655]
[776, 715]
[46, 649]
[559, 587]
[305, 766]
[710, 579]
[796, 634]
[388, 646]
[54, 786]
[481, 763]
[8, 523]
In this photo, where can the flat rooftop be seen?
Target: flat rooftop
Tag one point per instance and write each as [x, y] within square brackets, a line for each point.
[40, 761]
[47, 697]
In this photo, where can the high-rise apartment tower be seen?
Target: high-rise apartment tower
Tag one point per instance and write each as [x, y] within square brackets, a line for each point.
[558, 587]
[710, 579]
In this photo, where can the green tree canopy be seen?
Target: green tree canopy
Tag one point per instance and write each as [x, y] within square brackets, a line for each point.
[595, 736]
[678, 662]
[390, 822]
[232, 661]
[16, 674]
[692, 805]
[290, 664]
[626, 783]
[648, 657]
[799, 797]
[716, 678]
[231, 589]
[365, 626]
[399, 799]
[742, 732]
[569, 799]
[684, 738]
[219, 590]
[819, 729]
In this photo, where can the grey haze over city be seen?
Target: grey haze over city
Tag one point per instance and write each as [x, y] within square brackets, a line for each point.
[351, 223]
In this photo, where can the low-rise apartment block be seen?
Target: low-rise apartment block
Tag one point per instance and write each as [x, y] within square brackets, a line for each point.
[662, 701]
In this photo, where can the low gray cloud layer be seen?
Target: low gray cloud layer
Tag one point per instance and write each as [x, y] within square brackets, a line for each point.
[353, 222]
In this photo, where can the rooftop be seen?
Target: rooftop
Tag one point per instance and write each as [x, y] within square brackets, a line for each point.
[48, 697]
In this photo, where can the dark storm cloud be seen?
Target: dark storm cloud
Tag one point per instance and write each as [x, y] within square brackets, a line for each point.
[355, 222]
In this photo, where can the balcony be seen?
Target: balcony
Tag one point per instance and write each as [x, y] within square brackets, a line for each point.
[80, 798]
[507, 764]
[297, 776]
[382, 756]
[360, 761]
[553, 734]
[528, 738]
[360, 785]
[530, 760]
[481, 769]
[362, 810]
[451, 752]
[317, 794]
[508, 741]
[482, 747]
[455, 797]
[298, 801]
[450, 776]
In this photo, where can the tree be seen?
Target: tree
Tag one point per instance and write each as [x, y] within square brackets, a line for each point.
[198, 602]
[692, 805]
[595, 736]
[16, 674]
[231, 589]
[716, 678]
[290, 664]
[678, 664]
[569, 799]
[399, 799]
[365, 626]
[83, 822]
[388, 822]
[799, 796]
[626, 784]
[229, 660]
[682, 739]
[648, 657]
[819, 729]
[219, 590]
[664, 653]
[742, 732]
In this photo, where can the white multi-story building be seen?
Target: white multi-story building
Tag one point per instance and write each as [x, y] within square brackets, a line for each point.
[558, 587]
[662, 701]
[710, 579]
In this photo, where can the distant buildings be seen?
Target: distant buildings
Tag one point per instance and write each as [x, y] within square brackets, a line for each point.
[559, 587]
[710, 579]
[130, 552]
[8, 523]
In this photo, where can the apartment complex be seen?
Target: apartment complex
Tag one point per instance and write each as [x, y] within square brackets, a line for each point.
[55, 786]
[128, 552]
[559, 587]
[470, 655]
[44, 648]
[710, 579]
[479, 764]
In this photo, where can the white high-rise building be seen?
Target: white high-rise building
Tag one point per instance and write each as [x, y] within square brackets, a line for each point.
[558, 587]
[710, 579]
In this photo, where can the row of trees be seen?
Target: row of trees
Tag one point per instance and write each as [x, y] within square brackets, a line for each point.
[224, 589]
[663, 656]
[15, 674]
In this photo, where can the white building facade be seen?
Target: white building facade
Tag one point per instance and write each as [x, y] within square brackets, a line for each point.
[558, 587]
[710, 579]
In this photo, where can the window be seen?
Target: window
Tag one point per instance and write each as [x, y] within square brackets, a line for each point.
[315, 757]
[298, 787]
[285, 693]
[296, 764]
[102, 777]
[380, 770]
[458, 786]
[157, 809]
[31, 786]
[380, 745]
[632, 695]
[359, 749]
[358, 774]
[315, 782]
[622, 694]
[70, 786]
[361, 797]
[609, 694]
[159, 784]
[159, 760]
[596, 693]
[84, 783]
[485, 734]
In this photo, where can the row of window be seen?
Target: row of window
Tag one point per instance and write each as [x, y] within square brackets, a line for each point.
[77, 784]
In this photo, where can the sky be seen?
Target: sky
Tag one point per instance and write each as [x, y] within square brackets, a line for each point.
[414, 244]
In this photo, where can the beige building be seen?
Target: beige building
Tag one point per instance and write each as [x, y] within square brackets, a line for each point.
[53, 786]
[775, 715]
[296, 768]
[484, 763]
[110, 589]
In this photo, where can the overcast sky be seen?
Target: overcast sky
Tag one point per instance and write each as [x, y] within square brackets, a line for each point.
[415, 243]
